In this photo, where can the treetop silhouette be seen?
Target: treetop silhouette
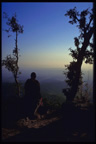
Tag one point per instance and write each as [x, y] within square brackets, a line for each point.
[11, 62]
[84, 49]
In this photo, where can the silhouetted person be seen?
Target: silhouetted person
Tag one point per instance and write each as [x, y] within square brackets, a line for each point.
[32, 94]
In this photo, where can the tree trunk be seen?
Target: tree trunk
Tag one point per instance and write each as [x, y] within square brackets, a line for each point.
[17, 68]
[17, 86]
[94, 64]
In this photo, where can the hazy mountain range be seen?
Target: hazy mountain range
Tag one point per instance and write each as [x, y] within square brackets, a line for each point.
[52, 81]
[43, 75]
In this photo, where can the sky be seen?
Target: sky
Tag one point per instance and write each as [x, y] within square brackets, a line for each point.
[47, 35]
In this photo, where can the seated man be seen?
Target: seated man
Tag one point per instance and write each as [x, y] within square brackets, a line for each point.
[32, 95]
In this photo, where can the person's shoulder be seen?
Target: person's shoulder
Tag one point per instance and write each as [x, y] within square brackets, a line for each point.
[28, 80]
[37, 81]
[27, 83]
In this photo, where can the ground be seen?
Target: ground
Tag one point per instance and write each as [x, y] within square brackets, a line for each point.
[67, 124]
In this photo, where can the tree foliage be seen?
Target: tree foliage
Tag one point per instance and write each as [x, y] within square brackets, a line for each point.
[11, 61]
[84, 49]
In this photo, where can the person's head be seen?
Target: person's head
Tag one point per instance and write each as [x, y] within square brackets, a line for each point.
[33, 75]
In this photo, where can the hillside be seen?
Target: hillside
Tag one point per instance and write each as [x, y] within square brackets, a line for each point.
[50, 89]
[69, 124]
[60, 121]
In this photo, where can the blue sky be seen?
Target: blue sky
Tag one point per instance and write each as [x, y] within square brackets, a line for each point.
[47, 34]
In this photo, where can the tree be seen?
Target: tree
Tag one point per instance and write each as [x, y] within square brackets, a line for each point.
[11, 62]
[84, 49]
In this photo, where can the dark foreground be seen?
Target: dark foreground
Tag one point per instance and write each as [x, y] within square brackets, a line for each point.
[67, 124]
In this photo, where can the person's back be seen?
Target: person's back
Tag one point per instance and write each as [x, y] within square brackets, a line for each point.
[35, 90]
[32, 87]
[32, 92]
